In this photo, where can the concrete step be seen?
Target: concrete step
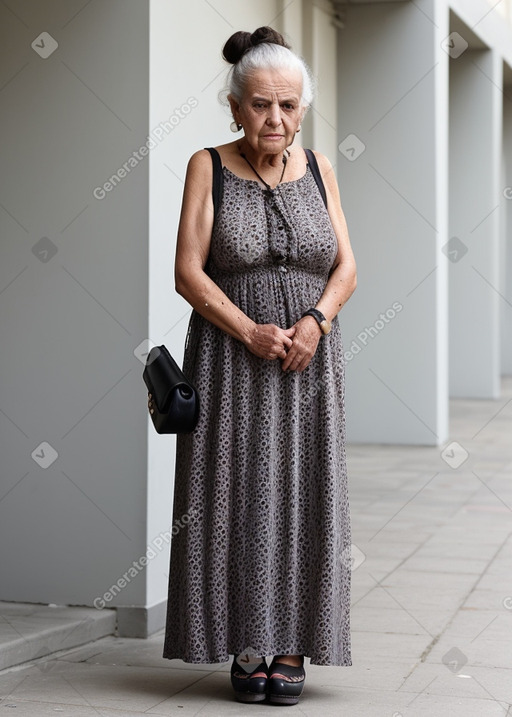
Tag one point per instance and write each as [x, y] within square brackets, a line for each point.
[29, 631]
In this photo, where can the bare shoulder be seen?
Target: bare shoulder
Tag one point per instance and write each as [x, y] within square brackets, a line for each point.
[198, 181]
[331, 184]
[200, 162]
[326, 169]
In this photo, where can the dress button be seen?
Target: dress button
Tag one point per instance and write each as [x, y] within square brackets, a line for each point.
[282, 269]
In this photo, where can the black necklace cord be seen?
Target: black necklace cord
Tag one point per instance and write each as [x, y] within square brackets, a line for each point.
[268, 187]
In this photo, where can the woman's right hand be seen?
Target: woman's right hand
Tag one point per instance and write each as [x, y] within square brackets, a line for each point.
[268, 341]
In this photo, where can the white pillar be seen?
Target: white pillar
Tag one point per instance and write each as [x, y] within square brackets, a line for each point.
[393, 180]
[506, 236]
[319, 49]
[473, 248]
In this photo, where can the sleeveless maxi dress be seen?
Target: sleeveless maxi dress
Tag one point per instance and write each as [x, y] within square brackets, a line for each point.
[261, 559]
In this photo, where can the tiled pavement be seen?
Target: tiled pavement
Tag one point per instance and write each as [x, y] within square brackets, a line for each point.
[432, 602]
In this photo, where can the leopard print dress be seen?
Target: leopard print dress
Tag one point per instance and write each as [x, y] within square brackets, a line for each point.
[261, 557]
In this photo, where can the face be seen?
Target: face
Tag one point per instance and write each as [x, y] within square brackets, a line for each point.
[270, 110]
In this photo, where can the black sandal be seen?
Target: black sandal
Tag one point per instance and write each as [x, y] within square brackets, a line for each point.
[282, 691]
[248, 688]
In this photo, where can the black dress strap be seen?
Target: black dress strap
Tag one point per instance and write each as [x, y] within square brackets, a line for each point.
[315, 169]
[218, 177]
[218, 180]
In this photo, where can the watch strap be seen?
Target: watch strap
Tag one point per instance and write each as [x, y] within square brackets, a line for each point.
[319, 317]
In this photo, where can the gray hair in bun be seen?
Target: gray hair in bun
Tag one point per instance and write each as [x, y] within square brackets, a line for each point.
[263, 49]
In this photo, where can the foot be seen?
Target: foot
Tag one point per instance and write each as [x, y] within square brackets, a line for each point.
[244, 661]
[286, 681]
[249, 681]
[293, 661]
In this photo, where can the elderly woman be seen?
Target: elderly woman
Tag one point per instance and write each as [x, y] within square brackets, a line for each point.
[263, 256]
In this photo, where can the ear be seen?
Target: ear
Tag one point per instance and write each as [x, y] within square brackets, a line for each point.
[235, 108]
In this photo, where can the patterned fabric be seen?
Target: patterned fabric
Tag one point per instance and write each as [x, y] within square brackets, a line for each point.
[263, 557]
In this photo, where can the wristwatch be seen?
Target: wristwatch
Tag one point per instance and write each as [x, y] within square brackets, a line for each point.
[324, 324]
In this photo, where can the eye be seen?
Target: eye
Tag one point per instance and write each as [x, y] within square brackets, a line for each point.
[288, 106]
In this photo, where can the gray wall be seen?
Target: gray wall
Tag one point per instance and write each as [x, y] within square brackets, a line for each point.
[73, 301]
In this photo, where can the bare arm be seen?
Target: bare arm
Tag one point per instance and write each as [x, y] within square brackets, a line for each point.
[340, 286]
[193, 246]
[343, 279]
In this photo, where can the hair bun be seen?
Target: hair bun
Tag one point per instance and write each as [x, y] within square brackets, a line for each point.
[235, 47]
[267, 34]
[241, 41]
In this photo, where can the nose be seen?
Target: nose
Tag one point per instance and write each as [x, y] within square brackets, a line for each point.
[274, 115]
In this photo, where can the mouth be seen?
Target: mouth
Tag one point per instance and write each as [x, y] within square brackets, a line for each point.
[273, 136]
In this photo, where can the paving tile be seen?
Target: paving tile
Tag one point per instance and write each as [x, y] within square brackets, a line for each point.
[368, 646]
[470, 681]
[443, 564]
[477, 652]
[132, 652]
[101, 686]
[431, 622]
[23, 708]
[480, 599]
[402, 620]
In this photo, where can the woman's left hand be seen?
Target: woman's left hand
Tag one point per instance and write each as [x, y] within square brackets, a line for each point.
[304, 344]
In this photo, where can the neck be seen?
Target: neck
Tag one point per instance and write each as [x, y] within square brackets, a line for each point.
[258, 160]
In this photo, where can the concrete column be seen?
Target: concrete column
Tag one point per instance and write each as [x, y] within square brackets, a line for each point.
[74, 283]
[392, 134]
[506, 236]
[473, 249]
[319, 41]
[289, 22]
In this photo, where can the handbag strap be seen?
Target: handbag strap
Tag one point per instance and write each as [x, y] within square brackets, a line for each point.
[218, 178]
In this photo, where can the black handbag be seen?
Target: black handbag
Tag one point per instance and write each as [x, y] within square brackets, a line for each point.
[173, 401]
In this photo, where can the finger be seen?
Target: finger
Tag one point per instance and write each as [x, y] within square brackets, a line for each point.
[303, 364]
[290, 358]
[285, 349]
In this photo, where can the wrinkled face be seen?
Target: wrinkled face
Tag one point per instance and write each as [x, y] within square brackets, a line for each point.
[270, 110]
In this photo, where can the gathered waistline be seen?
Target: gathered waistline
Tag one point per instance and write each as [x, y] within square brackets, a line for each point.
[281, 268]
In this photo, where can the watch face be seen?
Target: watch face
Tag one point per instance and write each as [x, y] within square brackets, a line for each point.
[325, 326]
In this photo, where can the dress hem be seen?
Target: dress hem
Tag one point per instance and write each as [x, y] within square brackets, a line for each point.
[312, 661]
